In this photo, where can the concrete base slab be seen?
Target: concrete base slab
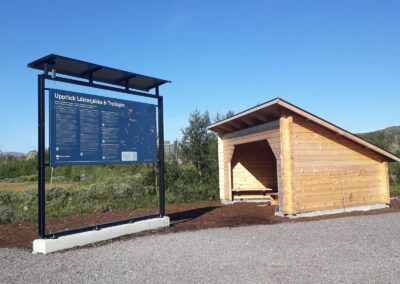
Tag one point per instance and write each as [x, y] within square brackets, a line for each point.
[333, 211]
[81, 239]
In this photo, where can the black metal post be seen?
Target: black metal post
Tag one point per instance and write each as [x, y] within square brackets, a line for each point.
[41, 157]
[161, 152]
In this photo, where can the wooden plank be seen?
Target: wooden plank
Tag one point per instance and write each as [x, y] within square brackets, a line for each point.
[275, 144]
[345, 198]
[221, 169]
[311, 185]
[326, 191]
[286, 165]
[334, 205]
[229, 194]
[253, 130]
[321, 176]
[328, 150]
[248, 139]
[386, 182]
[254, 189]
[340, 202]
[335, 168]
[326, 163]
[322, 155]
[228, 152]
[239, 197]
[331, 175]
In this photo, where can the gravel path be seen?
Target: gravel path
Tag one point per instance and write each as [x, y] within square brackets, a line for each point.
[348, 250]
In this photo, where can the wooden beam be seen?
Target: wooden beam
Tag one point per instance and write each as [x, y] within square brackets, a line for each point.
[386, 182]
[251, 130]
[227, 171]
[260, 117]
[289, 206]
[236, 124]
[230, 195]
[248, 121]
[225, 128]
[221, 172]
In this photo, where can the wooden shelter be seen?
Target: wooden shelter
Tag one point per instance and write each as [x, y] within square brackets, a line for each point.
[302, 162]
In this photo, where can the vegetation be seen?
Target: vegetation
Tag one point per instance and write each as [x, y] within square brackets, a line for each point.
[191, 175]
[14, 168]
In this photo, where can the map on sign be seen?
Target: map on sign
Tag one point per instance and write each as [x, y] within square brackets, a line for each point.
[87, 129]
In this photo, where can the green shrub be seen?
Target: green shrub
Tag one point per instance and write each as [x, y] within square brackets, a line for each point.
[6, 214]
[7, 197]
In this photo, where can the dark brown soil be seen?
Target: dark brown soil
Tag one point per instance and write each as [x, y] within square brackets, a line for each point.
[183, 217]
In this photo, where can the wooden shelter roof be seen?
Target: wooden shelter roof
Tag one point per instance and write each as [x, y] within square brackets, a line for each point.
[273, 109]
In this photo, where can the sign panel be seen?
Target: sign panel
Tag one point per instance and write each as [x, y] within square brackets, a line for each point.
[90, 130]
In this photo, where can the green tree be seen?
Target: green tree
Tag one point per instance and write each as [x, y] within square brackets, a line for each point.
[199, 146]
[196, 140]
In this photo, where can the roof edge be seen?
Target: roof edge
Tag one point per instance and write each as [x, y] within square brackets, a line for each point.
[242, 113]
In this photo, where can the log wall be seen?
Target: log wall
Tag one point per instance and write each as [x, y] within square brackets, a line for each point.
[330, 171]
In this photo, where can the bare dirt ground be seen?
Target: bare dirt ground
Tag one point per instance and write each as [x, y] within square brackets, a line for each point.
[183, 218]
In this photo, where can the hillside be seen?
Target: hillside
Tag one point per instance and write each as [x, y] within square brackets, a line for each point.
[12, 154]
[388, 138]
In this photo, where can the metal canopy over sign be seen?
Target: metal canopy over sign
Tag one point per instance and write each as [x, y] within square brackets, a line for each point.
[87, 129]
[95, 72]
[84, 131]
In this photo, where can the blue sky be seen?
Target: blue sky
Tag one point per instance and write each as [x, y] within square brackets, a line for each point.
[337, 59]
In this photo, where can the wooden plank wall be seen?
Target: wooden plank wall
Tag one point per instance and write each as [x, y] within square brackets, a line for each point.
[330, 171]
[226, 148]
[254, 167]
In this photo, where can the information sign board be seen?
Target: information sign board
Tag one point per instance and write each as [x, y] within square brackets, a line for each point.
[87, 130]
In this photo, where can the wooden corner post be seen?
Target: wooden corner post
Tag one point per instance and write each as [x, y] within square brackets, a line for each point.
[221, 168]
[386, 183]
[288, 203]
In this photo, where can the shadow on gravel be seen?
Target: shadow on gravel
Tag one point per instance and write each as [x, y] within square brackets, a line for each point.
[189, 215]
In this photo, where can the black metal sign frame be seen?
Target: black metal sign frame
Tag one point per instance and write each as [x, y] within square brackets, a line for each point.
[42, 164]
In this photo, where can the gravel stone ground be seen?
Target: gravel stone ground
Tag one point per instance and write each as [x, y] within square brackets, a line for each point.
[362, 249]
